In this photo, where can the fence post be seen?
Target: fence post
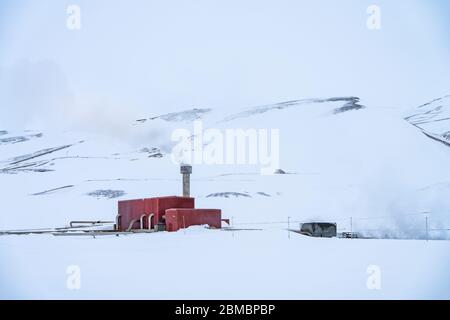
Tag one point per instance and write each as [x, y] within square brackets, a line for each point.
[289, 227]
[351, 227]
[232, 226]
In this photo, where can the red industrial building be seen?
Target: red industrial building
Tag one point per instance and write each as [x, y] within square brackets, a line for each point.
[181, 218]
[166, 213]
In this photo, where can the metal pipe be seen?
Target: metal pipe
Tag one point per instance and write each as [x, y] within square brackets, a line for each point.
[186, 185]
[150, 221]
[142, 221]
[132, 223]
[186, 171]
[91, 222]
[117, 222]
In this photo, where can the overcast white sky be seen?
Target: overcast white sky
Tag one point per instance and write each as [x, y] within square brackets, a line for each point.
[140, 58]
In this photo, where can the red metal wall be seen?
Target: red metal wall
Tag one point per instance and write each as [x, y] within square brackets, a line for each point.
[177, 219]
[129, 210]
[134, 209]
[161, 204]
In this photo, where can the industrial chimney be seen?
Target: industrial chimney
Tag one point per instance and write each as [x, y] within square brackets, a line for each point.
[186, 171]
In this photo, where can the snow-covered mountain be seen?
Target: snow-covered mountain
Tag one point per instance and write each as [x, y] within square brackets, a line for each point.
[344, 159]
[365, 168]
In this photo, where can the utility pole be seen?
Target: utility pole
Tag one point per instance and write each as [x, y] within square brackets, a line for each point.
[426, 226]
[289, 227]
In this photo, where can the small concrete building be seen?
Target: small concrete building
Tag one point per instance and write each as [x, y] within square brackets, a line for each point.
[319, 229]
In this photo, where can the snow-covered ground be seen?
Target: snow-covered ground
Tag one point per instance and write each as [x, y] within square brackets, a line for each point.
[365, 168]
[212, 264]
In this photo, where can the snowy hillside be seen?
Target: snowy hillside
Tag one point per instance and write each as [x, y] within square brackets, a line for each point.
[433, 118]
[367, 169]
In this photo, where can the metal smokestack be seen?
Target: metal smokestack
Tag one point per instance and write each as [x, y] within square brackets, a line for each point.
[186, 171]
